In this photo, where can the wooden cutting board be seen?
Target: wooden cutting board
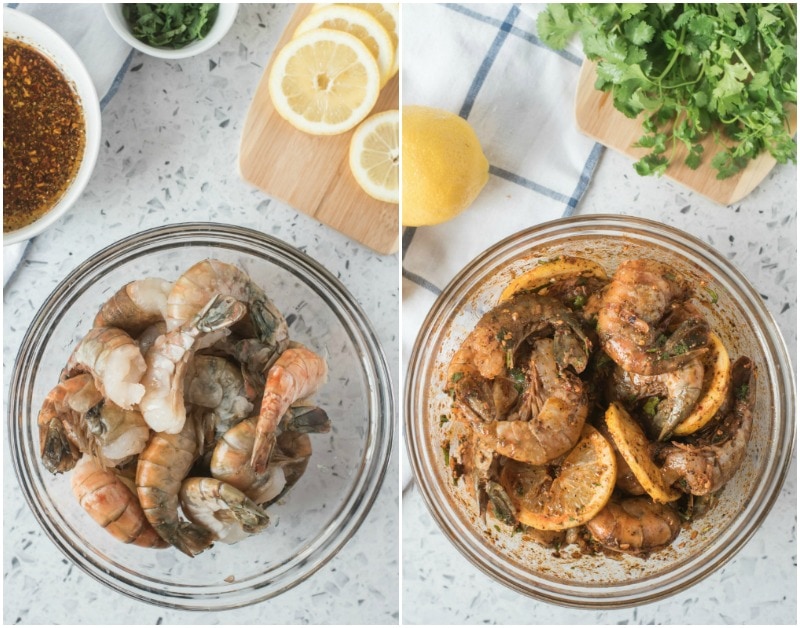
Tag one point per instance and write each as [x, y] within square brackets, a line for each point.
[596, 117]
[311, 173]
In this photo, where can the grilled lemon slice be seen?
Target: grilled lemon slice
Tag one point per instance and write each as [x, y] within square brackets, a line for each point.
[716, 382]
[634, 447]
[551, 271]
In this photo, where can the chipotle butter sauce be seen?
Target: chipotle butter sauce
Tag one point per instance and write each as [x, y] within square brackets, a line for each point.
[43, 134]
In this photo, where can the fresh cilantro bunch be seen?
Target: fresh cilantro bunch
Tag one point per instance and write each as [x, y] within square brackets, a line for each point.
[692, 69]
[170, 25]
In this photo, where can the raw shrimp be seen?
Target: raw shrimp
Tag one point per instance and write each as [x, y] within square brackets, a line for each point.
[115, 362]
[222, 509]
[702, 465]
[135, 306]
[680, 389]
[162, 403]
[147, 338]
[113, 433]
[202, 281]
[635, 525]
[631, 321]
[479, 375]
[215, 384]
[297, 373]
[60, 413]
[110, 502]
[553, 412]
[230, 461]
[161, 469]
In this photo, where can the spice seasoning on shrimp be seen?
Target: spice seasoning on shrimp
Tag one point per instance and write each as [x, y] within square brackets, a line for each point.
[43, 134]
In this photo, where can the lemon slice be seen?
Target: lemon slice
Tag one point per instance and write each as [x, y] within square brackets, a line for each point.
[388, 14]
[716, 382]
[634, 447]
[582, 489]
[324, 82]
[359, 23]
[551, 271]
[375, 156]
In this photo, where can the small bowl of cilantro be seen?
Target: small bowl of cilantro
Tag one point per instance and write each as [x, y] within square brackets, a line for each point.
[171, 30]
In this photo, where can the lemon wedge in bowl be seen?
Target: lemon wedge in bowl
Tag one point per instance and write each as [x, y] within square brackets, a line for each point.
[375, 156]
[324, 82]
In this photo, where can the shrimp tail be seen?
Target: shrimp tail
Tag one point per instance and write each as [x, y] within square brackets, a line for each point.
[262, 449]
[190, 538]
[306, 420]
[59, 454]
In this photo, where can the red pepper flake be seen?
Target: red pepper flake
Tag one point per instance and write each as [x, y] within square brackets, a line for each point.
[43, 134]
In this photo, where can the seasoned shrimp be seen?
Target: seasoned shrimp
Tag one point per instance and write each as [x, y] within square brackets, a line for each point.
[631, 321]
[115, 362]
[215, 384]
[230, 461]
[161, 469]
[703, 464]
[635, 525]
[554, 410]
[480, 373]
[162, 403]
[61, 411]
[297, 373]
[679, 391]
[222, 509]
[135, 306]
[110, 502]
[202, 281]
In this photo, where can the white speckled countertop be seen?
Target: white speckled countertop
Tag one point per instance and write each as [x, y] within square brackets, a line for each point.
[169, 154]
[758, 234]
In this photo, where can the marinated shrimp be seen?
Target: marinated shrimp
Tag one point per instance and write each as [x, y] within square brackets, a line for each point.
[702, 465]
[193, 289]
[528, 379]
[110, 502]
[480, 375]
[679, 391]
[111, 356]
[222, 509]
[631, 321]
[162, 466]
[162, 403]
[135, 306]
[297, 373]
[552, 414]
[636, 525]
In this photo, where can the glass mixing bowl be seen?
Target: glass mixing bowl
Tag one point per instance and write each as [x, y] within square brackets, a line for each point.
[738, 316]
[347, 466]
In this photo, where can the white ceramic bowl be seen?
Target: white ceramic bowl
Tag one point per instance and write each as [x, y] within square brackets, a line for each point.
[31, 31]
[225, 18]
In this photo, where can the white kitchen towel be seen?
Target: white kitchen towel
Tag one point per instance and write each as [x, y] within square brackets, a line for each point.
[105, 55]
[486, 63]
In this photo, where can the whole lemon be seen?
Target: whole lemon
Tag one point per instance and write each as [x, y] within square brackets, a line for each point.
[443, 165]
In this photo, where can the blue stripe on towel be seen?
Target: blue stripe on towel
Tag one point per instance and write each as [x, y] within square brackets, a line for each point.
[117, 81]
[422, 282]
[487, 62]
[527, 183]
[583, 181]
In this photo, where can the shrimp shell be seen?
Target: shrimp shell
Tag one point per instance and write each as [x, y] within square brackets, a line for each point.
[297, 373]
[109, 501]
[162, 466]
[135, 306]
[115, 362]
